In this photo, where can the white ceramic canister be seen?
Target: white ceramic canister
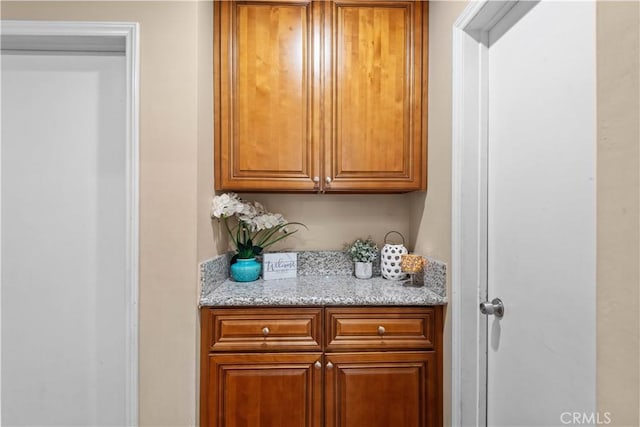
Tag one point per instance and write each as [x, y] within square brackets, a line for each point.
[391, 258]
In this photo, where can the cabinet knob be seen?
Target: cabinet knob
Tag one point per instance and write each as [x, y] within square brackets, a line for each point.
[318, 365]
[265, 331]
[329, 365]
[328, 180]
[316, 179]
[381, 330]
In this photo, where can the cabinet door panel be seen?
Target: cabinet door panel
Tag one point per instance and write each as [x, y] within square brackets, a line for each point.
[381, 389]
[377, 77]
[265, 74]
[276, 390]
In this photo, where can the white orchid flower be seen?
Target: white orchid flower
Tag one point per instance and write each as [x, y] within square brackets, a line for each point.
[252, 217]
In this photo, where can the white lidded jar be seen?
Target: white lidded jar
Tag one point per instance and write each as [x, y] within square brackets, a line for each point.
[391, 258]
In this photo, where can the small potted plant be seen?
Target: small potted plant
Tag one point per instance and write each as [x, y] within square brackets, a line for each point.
[363, 253]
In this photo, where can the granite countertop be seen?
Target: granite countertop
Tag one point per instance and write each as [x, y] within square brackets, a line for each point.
[324, 278]
[320, 290]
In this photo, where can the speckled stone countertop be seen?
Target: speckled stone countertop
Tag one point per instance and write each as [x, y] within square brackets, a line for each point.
[324, 278]
[320, 290]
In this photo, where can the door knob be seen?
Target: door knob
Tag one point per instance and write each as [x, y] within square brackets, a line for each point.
[495, 307]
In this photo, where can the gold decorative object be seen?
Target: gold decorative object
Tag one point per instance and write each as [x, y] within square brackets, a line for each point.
[413, 264]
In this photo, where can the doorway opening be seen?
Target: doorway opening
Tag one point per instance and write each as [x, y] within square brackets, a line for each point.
[523, 212]
[69, 223]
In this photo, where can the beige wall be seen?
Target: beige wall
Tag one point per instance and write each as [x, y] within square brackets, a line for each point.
[171, 129]
[618, 215]
[176, 176]
[333, 220]
[206, 238]
[431, 212]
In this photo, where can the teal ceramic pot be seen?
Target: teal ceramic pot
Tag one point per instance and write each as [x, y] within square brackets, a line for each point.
[245, 270]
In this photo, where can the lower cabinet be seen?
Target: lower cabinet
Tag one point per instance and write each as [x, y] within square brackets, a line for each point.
[265, 390]
[381, 389]
[362, 366]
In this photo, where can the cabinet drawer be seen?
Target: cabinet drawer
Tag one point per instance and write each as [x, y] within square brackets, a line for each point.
[380, 328]
[265, 329]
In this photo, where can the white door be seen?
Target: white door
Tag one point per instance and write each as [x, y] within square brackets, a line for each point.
[65, 230]
[541, 216]
[538, 195]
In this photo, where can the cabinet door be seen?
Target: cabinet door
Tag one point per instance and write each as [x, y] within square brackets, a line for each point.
[261, 390]
[381, 389]
[376, 140]
[264, 111]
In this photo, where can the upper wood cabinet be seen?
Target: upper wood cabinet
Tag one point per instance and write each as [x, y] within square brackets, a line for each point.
[375, 139]
[320, 95]
[265, 73]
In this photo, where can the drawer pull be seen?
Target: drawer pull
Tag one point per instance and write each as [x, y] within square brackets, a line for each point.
[265, 331]
[381, 330]
[318, 365]
[329, 365]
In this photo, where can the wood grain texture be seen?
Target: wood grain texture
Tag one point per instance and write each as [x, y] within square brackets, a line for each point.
[264, 125]
[359, 328]
[257, 390]
[381, 389]
[378, 133]
[372, 89]
[329, 89]
[240, 329]
[369, 383]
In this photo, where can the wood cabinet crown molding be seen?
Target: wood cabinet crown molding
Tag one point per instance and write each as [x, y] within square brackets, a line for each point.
[326, 96]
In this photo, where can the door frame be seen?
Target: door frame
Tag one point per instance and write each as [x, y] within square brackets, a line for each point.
[114, 38]
[470, 87]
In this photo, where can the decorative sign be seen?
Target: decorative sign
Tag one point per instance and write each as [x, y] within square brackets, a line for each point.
[279, 265]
